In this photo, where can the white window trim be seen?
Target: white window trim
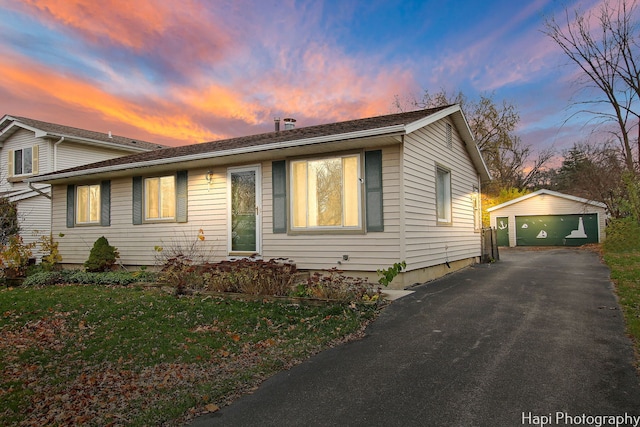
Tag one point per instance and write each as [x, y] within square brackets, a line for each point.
[88, 207]
[14, 164]
[329, 229]
[447, 220]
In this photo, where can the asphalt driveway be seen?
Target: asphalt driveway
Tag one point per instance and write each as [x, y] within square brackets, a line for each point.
[538, 334]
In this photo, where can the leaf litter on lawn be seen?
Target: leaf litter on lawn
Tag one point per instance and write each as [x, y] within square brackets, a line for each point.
[100, 357]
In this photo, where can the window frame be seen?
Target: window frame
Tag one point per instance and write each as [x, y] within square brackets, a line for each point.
[15, 163]
[341, 229]
[87, 208]
[145, 199]
[446, 219]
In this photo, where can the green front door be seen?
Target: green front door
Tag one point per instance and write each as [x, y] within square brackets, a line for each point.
[556, 230]
[244, 211]
[502, 229]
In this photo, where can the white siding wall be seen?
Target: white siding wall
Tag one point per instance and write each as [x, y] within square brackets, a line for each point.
[71, 154]
[19, 140]
[425, 243]
[34, 213]
[207, 205]
[207, 211]
[546, 204]
[367, 252]
[34, 218]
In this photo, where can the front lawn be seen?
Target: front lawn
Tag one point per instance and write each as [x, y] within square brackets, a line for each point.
[622, 255]
[98, 355]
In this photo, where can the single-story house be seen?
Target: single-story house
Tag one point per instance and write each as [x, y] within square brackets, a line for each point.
[358, 195]
[30, 147]
[548, 218]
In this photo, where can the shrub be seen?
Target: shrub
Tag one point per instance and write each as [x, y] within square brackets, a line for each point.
[336, 286]
[8, 220]
[79, 277]
[102, 257]
[14, 257]
[190, 250]
[50, 253]
[44, 278]
[250, 276]
[623, 235]
[180, 273]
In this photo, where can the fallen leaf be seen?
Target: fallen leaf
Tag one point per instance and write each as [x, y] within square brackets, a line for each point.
[212, 407]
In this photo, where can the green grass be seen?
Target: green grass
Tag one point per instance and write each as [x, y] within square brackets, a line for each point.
[622, 255]
[131, 356]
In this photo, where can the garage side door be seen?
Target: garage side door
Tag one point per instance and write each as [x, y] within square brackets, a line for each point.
[556, 230]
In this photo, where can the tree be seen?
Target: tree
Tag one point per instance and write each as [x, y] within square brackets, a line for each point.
[8, 220]
[594, 172]
[493, 126]
[606, 48]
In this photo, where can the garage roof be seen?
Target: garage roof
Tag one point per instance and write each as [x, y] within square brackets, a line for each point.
[551, 193]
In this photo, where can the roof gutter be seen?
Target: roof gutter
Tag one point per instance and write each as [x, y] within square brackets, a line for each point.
[396, 129]
[98, 142]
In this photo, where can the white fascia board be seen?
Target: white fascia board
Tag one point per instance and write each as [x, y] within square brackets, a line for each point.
[9, 129]
[550, 193]
[420, 123]
[89, 141]
[389, 130]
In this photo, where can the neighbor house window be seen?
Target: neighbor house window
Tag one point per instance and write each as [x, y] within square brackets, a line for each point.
[88, 204]
[23, 161]
[326, 193]
[443, 195]
[160, 198]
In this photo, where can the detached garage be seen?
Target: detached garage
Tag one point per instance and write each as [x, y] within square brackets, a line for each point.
[548, 218]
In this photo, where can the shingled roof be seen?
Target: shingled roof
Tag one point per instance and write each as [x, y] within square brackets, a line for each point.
[367, 127]
[57, 131]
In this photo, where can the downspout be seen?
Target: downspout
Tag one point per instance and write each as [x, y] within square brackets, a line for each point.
[55, 153]
[37, 190]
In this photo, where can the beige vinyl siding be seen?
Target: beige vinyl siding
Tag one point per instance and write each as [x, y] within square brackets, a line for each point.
[34, 219]
[426, 243]
[546, 204]
[207, 206]
[315, 252]
[22, 139]
[207, 211]
[72, 154]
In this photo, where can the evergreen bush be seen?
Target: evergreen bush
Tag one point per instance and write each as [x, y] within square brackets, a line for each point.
[102, 257]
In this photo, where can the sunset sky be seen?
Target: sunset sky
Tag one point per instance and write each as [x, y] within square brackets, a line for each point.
[178, 72]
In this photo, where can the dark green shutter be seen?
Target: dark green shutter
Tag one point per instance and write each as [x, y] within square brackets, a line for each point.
[137, 200]
[71, 206]
[105, 203]
[373, 190]
[279, 178]
[182, 189]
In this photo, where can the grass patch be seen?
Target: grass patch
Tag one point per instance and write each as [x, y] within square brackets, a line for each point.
[99, 355]
[622, 255]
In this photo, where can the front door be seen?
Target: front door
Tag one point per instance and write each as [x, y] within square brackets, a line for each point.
[244, 210]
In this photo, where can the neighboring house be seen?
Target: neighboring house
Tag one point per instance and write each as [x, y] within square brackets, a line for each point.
[548, 218]
[29, 148]
[359, 195]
